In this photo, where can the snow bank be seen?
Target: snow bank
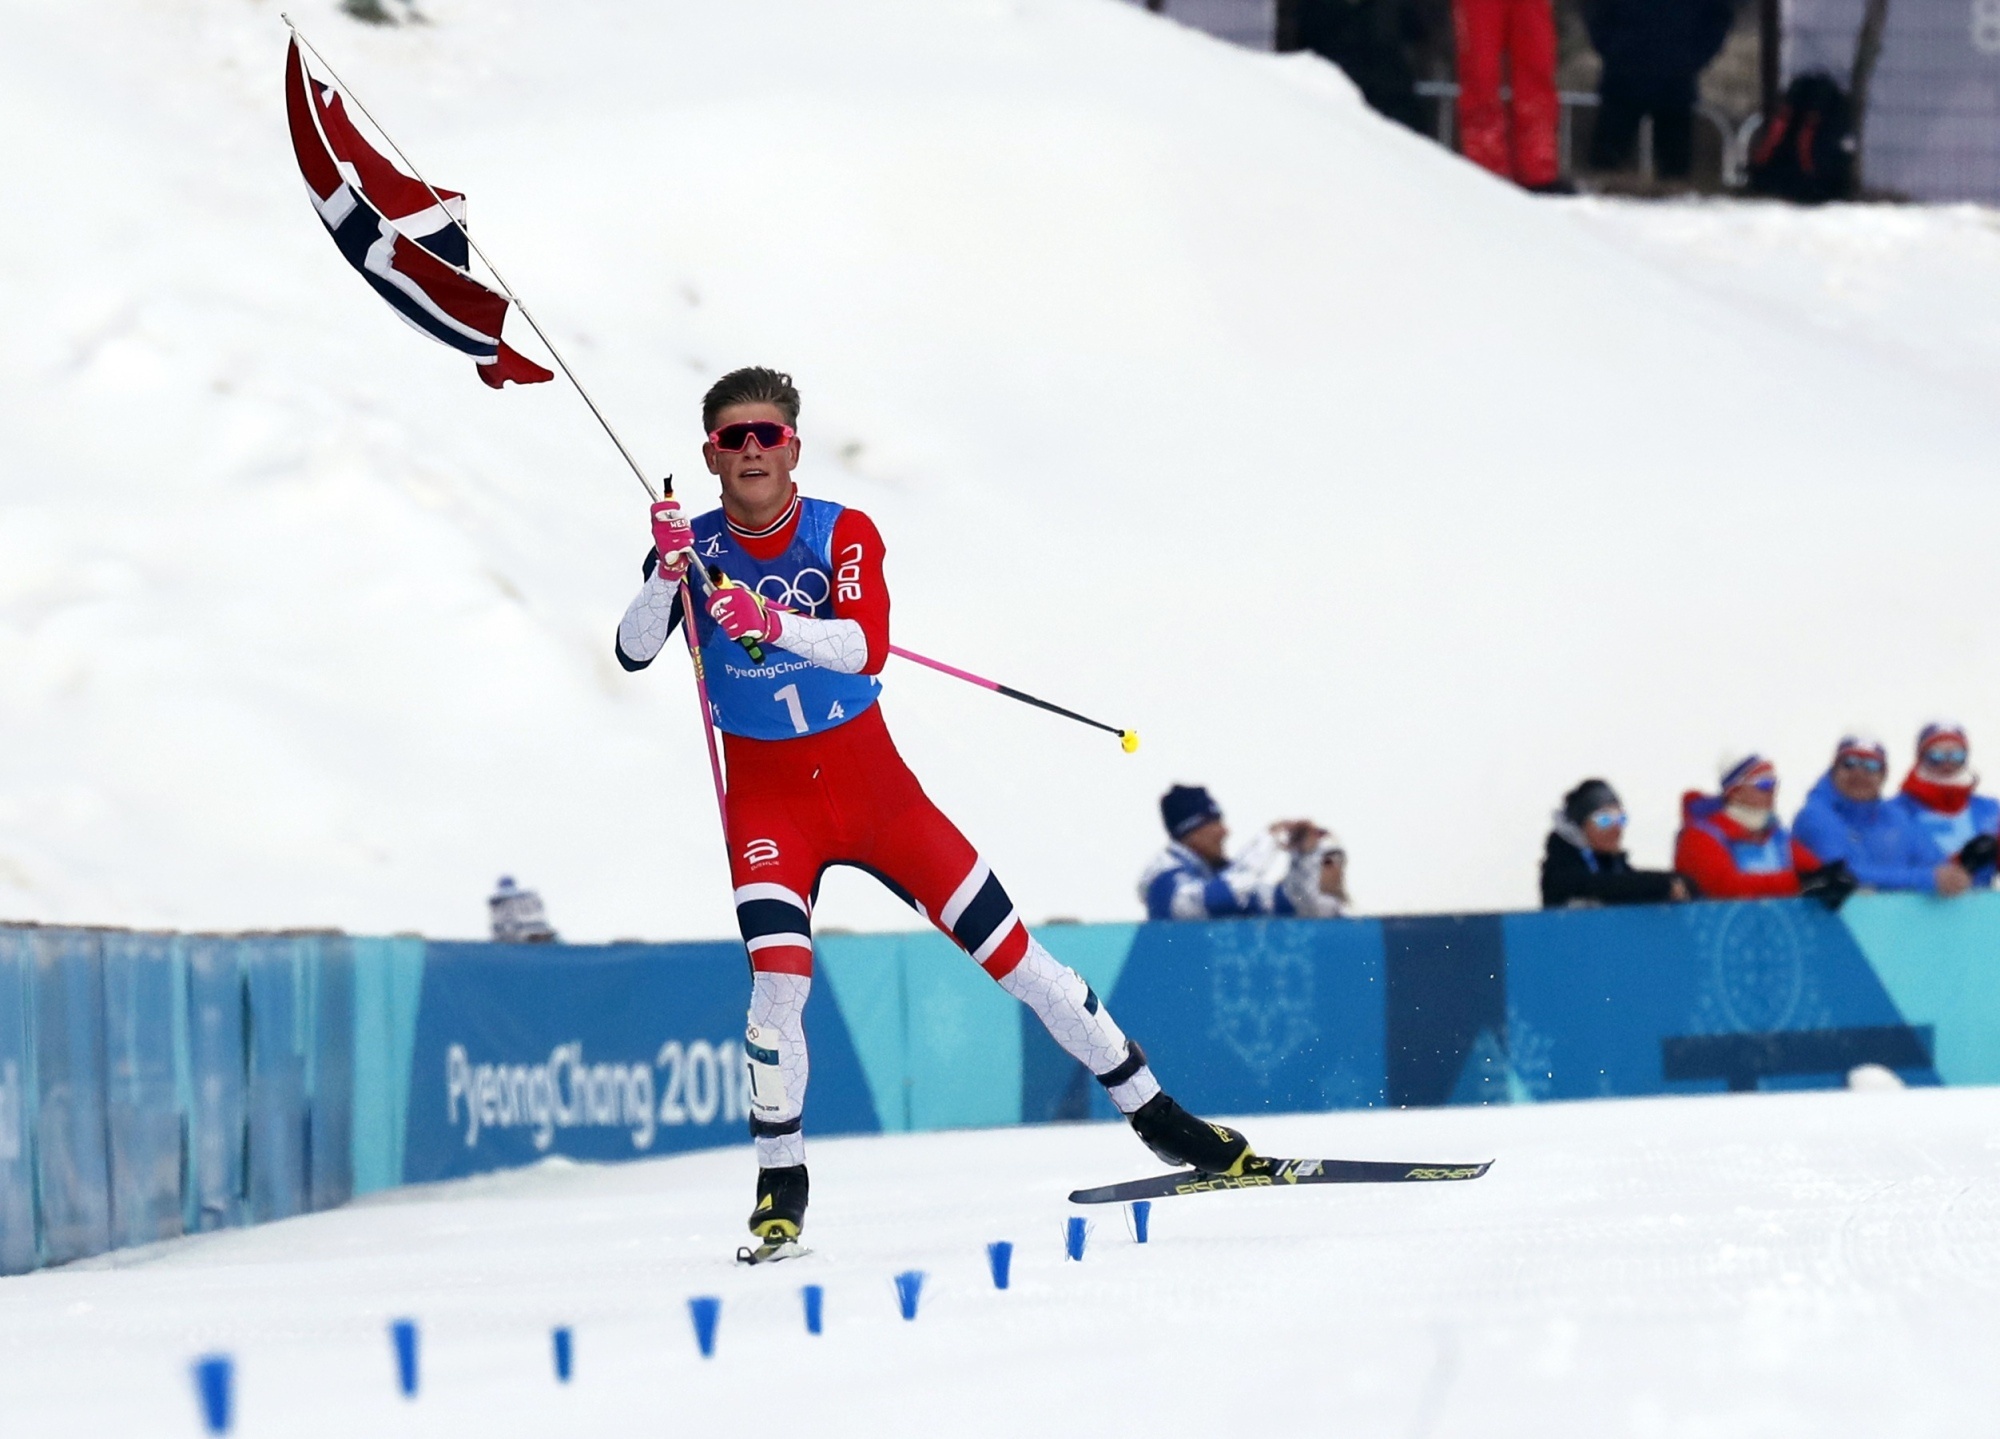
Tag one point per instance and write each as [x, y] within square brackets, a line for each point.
[1816, 1264]
[1187, 393]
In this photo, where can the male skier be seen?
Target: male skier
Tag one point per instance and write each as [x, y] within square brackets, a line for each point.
[815, 780]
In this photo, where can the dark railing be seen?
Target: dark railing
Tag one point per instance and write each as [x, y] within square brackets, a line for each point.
[1732, 136]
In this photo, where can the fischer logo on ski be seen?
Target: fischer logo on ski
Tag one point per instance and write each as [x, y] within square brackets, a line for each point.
[1266, 1173]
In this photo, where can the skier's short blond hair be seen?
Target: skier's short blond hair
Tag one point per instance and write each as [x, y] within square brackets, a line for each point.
[752, 385]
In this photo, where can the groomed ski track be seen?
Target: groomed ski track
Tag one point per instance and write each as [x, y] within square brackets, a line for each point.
[1809, 1264]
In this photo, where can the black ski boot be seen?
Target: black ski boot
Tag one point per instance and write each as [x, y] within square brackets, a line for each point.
[779, 1215]
[1178, 1137]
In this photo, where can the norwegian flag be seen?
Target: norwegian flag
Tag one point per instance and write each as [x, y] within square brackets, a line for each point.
[402, 240]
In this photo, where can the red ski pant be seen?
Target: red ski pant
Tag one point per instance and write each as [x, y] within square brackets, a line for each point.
[1522, 34]
[844, 796]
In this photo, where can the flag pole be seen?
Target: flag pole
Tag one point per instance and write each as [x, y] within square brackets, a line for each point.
[687, 604]
[505, 288]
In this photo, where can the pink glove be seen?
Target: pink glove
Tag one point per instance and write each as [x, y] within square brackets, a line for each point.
[745, 614]
[673, 537]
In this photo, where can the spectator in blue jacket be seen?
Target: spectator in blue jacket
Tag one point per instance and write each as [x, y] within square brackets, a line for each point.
[1193, 877]
[1845, 818]
[1938, 798]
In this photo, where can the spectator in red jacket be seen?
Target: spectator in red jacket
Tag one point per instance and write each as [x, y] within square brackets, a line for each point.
[1515, 140]
[1731, 843]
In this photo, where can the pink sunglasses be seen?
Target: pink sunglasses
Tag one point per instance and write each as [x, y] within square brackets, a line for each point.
[767, 433]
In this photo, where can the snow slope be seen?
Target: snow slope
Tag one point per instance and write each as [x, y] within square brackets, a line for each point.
[1187, 392]
[1913, 285]
[1802, 1265]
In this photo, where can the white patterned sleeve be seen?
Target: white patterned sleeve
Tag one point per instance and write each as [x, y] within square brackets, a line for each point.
[649, 619]
[837, 645]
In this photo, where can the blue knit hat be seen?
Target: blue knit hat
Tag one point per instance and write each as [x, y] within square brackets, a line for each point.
[1186, 808]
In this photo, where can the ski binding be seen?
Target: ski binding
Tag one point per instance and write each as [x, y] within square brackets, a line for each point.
[771, 1251]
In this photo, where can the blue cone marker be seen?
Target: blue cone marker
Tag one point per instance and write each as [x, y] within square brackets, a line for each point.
[1000, 1255]
[908, 1286]
[1142, 1215]
[1073, 1239]
[705, 1310]
[212, 1379]
[815, 1307]
[564, 1353]
[403, 1333]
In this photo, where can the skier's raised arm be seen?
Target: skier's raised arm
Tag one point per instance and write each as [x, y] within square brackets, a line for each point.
[650, 618]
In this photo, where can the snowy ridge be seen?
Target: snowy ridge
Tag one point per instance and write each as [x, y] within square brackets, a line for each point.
[1397, 498]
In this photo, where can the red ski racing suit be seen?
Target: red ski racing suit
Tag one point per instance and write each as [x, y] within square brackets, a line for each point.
[815, 781]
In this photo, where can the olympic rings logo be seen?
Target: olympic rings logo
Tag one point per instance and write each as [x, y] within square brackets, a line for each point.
[805, 592]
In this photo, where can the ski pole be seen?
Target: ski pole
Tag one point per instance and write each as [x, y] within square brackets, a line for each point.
[1128, 739]
[707, 715]
[701, 684]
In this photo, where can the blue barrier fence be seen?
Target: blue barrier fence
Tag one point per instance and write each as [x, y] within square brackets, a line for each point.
[156, 1084]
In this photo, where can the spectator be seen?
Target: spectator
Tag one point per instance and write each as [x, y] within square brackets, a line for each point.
[1372, 41]
[1731, 845]
[1938, 799]
[1653, 51]
[1516, 142]
[1585, 863]
[1326, 898]
[1846, 819]
[1192, 878]
[518, 917]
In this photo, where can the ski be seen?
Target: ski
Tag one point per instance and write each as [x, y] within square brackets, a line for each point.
[1273, 1172]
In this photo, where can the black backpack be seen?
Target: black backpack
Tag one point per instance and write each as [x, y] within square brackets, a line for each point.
[1805, 150]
